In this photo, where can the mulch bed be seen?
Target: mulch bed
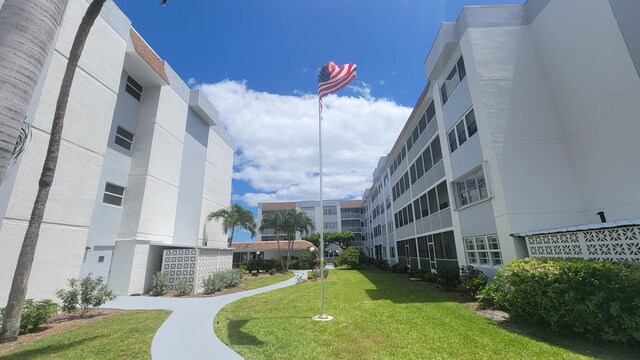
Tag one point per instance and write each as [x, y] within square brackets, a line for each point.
[59, 323]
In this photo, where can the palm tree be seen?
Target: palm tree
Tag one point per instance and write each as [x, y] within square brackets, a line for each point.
[276, 222]
[13, 311]
[232, 217]
[23, 53]
[295, 221]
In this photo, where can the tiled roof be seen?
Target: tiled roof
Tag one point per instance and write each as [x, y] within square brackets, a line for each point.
[278, 206]
[270, 245]
[351, 203]
[148, 55]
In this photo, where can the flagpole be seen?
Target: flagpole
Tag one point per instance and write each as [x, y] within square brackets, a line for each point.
[323, 315]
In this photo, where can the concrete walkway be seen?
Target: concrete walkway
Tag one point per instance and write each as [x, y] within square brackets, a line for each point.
[188, 332]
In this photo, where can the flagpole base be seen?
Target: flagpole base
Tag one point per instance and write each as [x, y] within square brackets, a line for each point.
[323, 317]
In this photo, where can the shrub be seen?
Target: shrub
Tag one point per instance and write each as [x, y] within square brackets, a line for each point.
[272, 271]
[160, 283]
[86, 293]
[599, 299]
[261, 265]
[352, 257]
[399, 268]
[472, 279]
[382, 264]
[369, 261]
[492, 295]
[307, 259]
[315, 273]
[294, 264]
[34, 314]
[212, 283]
[448, 277]
[183, 287]
[220, 280]
[431, 277]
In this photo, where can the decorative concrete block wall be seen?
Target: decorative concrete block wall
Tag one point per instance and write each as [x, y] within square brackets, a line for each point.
[180, 264]
[616, 244]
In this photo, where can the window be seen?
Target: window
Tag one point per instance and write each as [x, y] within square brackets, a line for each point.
[436, 151]
[472, 188]
[133, 88]
[463, 130]
[330, 211]
[124, 138]
[431, 112]
[453, 80]
[100, 258]
[392, 252]
[483, 250]
[113, 194]
[433, 201]
[443, 195]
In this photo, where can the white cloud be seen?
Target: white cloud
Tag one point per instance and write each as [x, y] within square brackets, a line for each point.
[381, 82]
[277, 139]
[192, 81]
[363, 89]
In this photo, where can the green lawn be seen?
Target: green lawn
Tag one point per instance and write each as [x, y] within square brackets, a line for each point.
[251, 283]
[378, 315]
[125, 336]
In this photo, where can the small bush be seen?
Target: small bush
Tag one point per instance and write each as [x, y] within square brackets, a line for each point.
[183, 287]
[315, 273]
[261, 265]
[399, 268]
[369, 261]
[294, 264]
[599, 299]
[34, 314]
[272, 271]
[491, 296]
[160, 283]
[382, 264]
[431, 277]
[84, 294]
[448, 277]
[221, 280]
[352, 257]
[307, 259]
[472, 279]
[212, 283]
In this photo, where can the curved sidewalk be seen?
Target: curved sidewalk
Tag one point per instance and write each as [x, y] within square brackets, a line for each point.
[188, 332]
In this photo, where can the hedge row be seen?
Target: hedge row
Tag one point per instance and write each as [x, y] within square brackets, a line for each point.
[599, 299]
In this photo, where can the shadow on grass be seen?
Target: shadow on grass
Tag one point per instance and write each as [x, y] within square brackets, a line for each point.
[46, 351]
[238, 337]
[398, 289]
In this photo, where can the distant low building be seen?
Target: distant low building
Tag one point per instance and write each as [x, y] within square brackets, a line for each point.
[338, 215]
[243, 251]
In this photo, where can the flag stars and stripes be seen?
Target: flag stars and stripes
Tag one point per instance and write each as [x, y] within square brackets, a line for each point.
[332, 78]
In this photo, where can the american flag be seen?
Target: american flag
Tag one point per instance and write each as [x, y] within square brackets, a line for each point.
[332, 78]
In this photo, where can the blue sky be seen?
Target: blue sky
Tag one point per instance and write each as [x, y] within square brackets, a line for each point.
[257, 62]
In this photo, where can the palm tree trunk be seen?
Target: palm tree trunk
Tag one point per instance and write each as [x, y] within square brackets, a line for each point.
[280, 253]
[230, 240]
[27, 30]
[13, 311]
[289, 252]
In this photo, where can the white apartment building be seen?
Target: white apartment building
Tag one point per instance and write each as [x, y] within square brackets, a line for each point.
[523, 142]
[143, 160]
[338, 215]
